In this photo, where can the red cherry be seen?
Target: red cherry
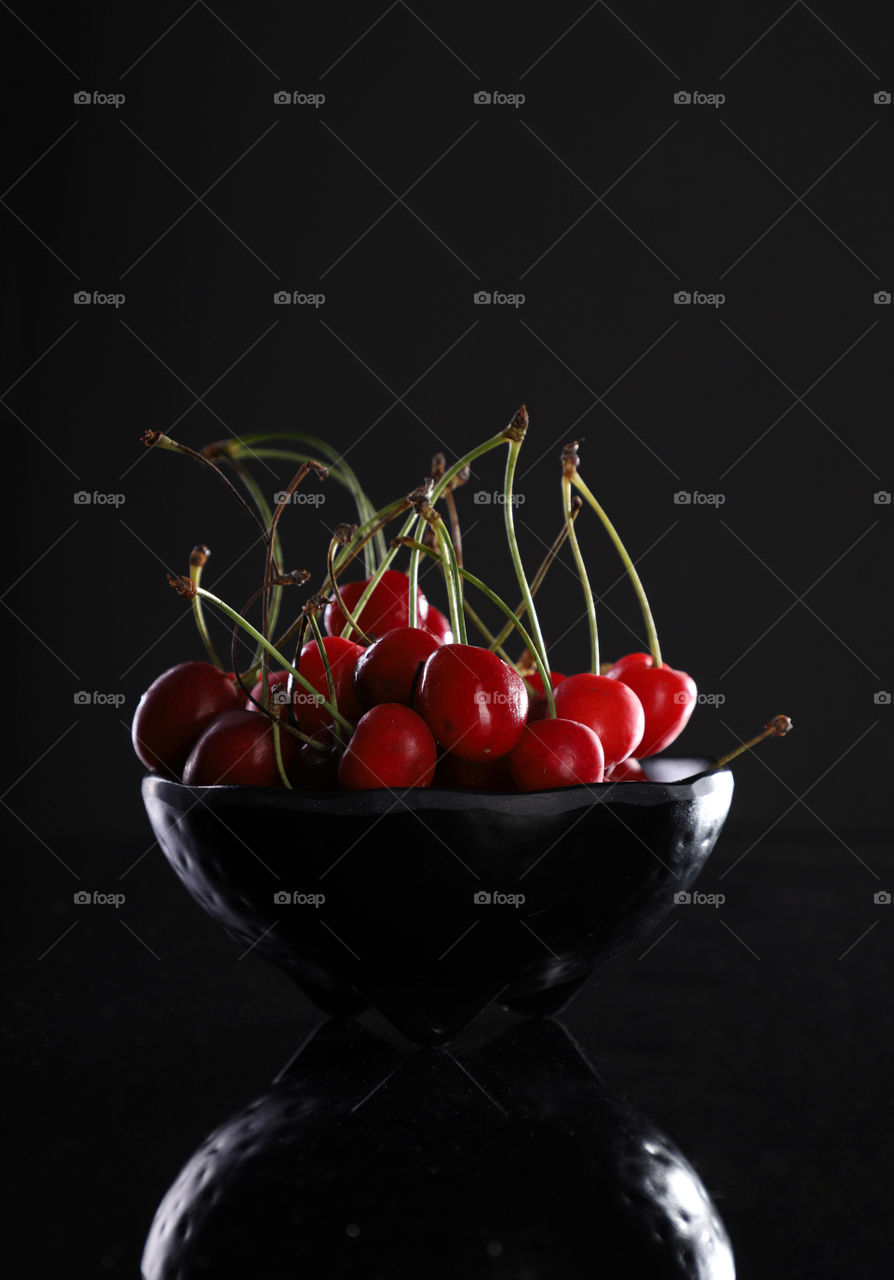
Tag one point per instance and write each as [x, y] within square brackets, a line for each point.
[538, 707]
[626, 771]
[609, 708]
[388, 606]
[556, 753]
[236, 750]
[630, 660]
[474, 703]
[437, 624]
[342, 655]
[274, 679]
[474, 775]
[668, 697]
[391, 747]
[386, 671]
[175, 709]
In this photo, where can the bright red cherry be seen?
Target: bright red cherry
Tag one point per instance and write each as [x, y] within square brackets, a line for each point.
[388, 606]
[608, 707]
[438, 625]
[175, 709]
[626, 771]
[538, 707]
[391, 747]
[668, 697]
[386, 671]
[474, 703]
[236, 750]
[342, 654]
[630, 660]
[556, 753]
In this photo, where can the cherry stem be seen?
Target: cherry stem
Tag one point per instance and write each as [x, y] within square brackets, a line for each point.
[513, 619]
[569, 462]
[518, 427]
[158, 440]
[539, 576]
[185, 587]
[451, 569]
[485, 631]
[257, 496]
[342, 537]
[582, 574]
[327, 666]
[778, 727]
[277, 753]
[198, 558]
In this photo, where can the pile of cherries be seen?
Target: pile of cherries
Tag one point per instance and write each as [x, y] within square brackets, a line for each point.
[415, 708]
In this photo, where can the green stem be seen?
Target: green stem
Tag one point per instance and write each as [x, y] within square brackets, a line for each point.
[327, 667]
[451, 575]
[277, 752]
[257, 496]
[197, 560]
[539, 649]
[583, 575]
[652, 634]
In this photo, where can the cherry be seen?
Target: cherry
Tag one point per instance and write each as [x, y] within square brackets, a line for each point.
[608, 707]
[175, 709]
[236, 750]
[437, 624]
[538, 707]
[314, 770]
[388, 606]
[626, 771]
[473, 702]
[556, 753]
[386, 671]
[391, 747]
[342, 655]
[474, 775]
[668, 697]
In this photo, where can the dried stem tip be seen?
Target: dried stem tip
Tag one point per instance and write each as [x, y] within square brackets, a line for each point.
[570, 460]
[149, 438]
[184, 586]
[296, 578]
[422, 494]
[518, 427]
[344, 533]
[198, 557]
[778, 727]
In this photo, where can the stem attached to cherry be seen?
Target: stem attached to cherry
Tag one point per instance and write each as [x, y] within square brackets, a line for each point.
[567, 500]
[515, 434]
[778, 727]
[449, 565]
[198, 558]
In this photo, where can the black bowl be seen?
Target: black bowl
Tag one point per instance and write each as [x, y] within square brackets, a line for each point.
[437, 902]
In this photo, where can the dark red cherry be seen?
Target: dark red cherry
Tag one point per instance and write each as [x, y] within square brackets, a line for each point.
[474, 704]
[391, 747]
[342, 654]
[538, 707]
[556, 753]
[386, 671]
[388, 606]
[626, 771]
[236, 750]
[438, 625]
[175, 709]
[608, 707]
[314, 770]
[668, 697]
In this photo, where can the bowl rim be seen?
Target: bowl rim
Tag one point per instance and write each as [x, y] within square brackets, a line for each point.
[705, 781]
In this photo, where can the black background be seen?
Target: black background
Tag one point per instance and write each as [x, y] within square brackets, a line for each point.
[398, 199]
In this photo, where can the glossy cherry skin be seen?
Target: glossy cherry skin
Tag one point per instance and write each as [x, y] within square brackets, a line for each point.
[388, 606]
[609, 708]
[556, 753]
[454, 774]
[175, 709]
[538, 707]
[474, 704]
[630, 660]
[391, 748]
[437, 624]
[386, 671]
[236, 750]
[626, 771]
[342, 654]
[668, 697]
